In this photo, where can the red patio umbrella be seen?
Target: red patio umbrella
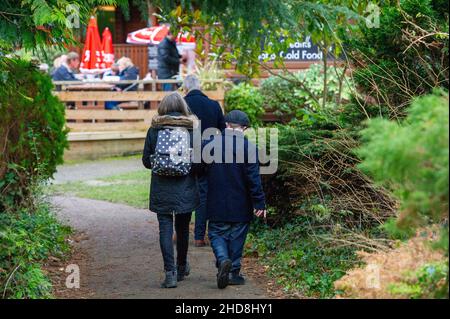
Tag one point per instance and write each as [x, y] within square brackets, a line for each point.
[107, 48]
[154, 35]
[91, 60]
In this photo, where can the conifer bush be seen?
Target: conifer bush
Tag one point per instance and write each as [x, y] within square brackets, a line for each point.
[411, 158]
[32, 130]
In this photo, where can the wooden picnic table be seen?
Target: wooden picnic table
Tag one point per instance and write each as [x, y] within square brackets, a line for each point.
[90, 87]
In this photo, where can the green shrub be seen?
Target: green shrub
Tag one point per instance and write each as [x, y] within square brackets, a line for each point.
[298, 261]
[26, 241]
[406, 56]
[247, 98]
[428, 282]
[317, 176]
[286, 97]
[411, 158]
[32, 133]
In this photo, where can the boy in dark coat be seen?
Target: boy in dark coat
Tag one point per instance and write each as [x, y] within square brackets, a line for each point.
[235, 194]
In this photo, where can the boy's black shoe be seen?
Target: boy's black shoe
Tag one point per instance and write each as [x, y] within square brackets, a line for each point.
[236, 279]
[183, 271]
[223, 274]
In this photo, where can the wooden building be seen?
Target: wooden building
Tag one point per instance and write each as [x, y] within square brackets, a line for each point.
[114, 19]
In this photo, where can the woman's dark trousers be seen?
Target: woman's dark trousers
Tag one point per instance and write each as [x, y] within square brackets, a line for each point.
[165, 239]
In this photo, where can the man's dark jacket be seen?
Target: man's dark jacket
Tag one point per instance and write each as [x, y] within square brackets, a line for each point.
[63, 74]
[208, 111]
[168, 59]
[234, 189]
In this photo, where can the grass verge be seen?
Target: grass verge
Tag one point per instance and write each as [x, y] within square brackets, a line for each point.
[130, 188]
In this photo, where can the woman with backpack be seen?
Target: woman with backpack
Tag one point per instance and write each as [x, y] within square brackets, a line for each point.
[173, 187]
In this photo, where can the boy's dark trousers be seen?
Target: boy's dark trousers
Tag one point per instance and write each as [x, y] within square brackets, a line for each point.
[200, 212]
[227, 241]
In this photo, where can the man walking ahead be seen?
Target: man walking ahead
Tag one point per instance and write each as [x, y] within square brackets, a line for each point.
[168, 60]
[234, 194]
[210, 115]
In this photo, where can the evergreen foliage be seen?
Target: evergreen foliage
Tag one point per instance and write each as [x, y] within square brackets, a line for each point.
[32, 130]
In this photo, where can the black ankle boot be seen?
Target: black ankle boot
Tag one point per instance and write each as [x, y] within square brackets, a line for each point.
[223, 274]
[183, 271]
[236, 278]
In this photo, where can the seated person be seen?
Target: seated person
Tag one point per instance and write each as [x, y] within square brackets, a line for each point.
[64, 72]
[127, 71]
[112, 72]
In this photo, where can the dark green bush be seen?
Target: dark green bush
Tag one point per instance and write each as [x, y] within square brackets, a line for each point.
[406, 56]
[32, 133]
[290, 95]
[317, 175]
[26, 241]
[247, 98]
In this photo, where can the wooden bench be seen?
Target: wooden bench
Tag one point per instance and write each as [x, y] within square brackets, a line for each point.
[104, 133]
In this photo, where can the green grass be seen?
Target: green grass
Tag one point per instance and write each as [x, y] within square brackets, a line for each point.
[128, 188]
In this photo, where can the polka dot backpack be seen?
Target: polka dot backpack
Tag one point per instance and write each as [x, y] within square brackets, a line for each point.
[172, 153]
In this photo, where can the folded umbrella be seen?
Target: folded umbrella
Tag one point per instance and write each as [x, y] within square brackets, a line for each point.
[92, 59]
[107, 48]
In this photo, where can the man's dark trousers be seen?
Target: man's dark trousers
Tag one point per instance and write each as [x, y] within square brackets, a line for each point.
[227, 241]
[200, 212]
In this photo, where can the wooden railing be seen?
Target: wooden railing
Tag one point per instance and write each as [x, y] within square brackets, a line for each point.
[94, 117]
[148, 91]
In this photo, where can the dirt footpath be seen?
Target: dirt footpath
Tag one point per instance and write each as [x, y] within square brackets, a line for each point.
[123, 259]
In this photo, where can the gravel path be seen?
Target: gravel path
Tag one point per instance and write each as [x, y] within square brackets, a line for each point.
[123, 257]
[96, 169]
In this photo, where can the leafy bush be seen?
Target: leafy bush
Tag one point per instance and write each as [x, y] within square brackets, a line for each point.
[26, 241]
[209, 71]
[412, 159]
[32, 134]
[406, 56]
[299, 94]
[428, 282]
[247, 98]
[299, 262]
[317, 176]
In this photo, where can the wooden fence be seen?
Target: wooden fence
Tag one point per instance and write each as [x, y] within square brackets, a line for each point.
[87, 96]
